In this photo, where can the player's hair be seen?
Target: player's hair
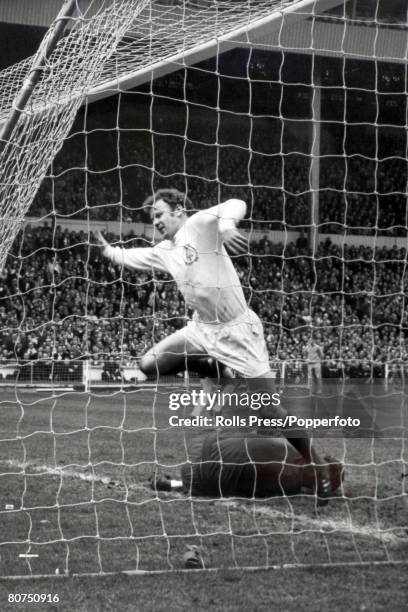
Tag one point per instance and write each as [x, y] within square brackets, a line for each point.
[173, 197]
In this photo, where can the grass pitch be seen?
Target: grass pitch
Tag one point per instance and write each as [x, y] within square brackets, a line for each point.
[74, 491]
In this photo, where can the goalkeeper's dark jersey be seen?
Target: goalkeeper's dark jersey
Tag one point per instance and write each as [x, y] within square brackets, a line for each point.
[241, 464]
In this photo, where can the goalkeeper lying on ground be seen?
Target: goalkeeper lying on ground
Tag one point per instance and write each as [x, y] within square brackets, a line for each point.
[246, 465]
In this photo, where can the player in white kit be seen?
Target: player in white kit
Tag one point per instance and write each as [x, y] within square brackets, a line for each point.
[194, 252]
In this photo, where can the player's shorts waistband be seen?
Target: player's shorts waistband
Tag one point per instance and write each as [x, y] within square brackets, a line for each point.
[246, 316]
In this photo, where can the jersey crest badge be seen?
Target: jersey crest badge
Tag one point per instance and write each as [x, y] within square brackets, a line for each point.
[190, 254]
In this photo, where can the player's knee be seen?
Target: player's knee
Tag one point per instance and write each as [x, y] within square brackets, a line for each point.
[147, 364]
[155, 364]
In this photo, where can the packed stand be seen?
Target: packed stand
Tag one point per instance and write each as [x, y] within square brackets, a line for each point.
[61, 300]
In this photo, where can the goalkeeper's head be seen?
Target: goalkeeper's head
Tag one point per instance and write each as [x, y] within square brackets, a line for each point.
[168, 210]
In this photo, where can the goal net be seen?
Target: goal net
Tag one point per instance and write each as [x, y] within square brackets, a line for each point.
[299, 109]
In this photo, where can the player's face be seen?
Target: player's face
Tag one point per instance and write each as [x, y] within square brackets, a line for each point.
[166, 220]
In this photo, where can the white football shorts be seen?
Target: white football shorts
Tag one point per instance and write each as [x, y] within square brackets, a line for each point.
[238, 344]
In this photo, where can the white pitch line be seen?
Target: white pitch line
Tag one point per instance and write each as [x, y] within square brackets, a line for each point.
[70, 473]
[320, 525]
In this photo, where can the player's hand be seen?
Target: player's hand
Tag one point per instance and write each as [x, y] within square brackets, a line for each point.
[234, 241]
[101, 240]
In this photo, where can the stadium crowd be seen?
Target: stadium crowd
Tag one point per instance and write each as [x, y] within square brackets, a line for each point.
[60, 299]
[356, 194]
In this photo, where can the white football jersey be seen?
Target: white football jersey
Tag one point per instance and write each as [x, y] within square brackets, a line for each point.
[200, 265]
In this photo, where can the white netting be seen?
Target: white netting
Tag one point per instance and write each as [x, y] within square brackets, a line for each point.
[75, 63]
[315, 143]
[161, 33]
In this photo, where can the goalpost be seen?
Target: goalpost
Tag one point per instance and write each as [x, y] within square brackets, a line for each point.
[293, 106]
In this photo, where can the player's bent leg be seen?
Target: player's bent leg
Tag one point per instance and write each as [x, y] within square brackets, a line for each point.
[170, 355]
[207, 385]
[176, 354]
[266, 384]
[302, 442]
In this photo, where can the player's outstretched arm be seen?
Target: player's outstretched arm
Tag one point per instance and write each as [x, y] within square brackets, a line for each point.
[141, 258]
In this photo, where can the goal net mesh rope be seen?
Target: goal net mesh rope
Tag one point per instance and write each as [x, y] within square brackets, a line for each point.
[311, 149]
